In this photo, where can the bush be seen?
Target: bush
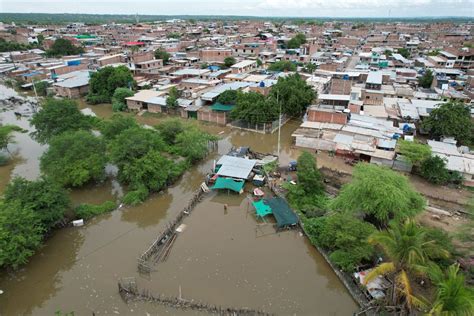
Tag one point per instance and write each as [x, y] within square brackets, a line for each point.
[21, 233]
[118, 100]
[344, 235]
[86, 211]
[136, 197]
[434, 170]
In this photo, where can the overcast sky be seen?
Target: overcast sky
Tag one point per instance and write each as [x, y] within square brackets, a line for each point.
[307, 8]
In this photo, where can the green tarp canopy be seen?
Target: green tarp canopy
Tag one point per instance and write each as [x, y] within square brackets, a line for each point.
[228, 183]
[262, 208]
[85, 36]
[282, 212]
[222, 107]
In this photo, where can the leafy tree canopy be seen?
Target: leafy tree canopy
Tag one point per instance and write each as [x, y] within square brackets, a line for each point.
[229, 61]
[163, 55]
[193, 143]
[21, 233]
[172, 99]
[298, 40]
[58, 116]
[426, 80]
[379, 193]
[134, 143]
[228, 97]
[415, 151]
[434, 170]
[294, 94]
[46, 198]
[451, 119]
[115, 125]
[170, 128]
[404, 52]
[6, 135]
[75, 158]
[344, 235]
[254, 108]
[282, 65]
[104, 82]
[64, 47]
[118, 99]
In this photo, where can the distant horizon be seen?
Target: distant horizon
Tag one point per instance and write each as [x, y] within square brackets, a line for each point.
[262, 8]
[207, 16]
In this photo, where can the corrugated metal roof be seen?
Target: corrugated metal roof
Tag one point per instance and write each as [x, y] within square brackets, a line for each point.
[235, 167]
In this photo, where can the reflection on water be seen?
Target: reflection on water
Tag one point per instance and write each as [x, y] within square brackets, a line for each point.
[223, 257]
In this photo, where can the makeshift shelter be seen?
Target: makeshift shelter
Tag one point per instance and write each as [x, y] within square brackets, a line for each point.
[235, 167]
[282, 212]
[229, 184]
[261, 208]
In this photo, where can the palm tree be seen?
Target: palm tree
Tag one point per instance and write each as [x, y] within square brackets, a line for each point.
[409, 251]
[453, 298]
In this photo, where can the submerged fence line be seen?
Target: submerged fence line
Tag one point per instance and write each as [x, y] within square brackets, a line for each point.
[160, 248]
[129, 291]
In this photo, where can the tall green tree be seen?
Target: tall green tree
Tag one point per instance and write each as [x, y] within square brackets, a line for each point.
[451, 119]
[254, 108]
[453, 296]
[172, 99]
[294, 94]
[409, 253]
[46, 198]
[228, 97]
[75, 158]
[134, 143]
[193, 144]
[112, 127]
[63, 47]
[308, 195]
[58, 116]
[282, 65]
[163, 55]
[104, 82]
[344, 235]
[6, 135]
[118, 99]
[426, 80]
[379, 194]
[21, 233]
[170, 128]
[298, 40]
[229, 61]
[434, 170]
[415, 151]
[404, 52]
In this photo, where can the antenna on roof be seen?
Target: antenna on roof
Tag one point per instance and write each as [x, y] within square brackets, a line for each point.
[137, 19]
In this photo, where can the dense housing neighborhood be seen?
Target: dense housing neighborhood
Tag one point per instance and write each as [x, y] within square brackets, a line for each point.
[358, 135]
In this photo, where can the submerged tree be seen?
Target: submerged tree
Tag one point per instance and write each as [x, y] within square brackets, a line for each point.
[46, 198]
[6, 135]
[75, 158]
[21, 233]
[58, 116]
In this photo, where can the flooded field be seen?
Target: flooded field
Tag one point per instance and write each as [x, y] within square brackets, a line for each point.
[223, 257]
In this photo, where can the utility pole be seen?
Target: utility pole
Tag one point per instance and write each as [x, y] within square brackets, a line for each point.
[279, 125]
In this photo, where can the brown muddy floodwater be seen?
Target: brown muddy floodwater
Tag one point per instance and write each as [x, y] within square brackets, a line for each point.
[223, 257]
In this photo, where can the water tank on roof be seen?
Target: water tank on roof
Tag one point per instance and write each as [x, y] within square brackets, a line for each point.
[262, 84]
